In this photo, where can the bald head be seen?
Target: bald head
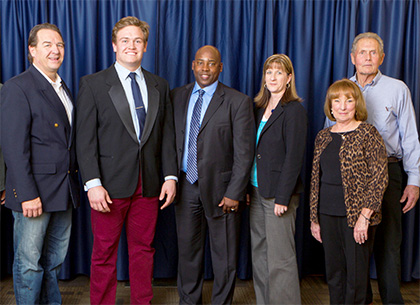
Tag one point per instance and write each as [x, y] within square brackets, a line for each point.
[210, 49]
[207, 66]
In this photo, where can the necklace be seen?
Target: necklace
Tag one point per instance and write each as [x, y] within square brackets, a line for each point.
[343, 134]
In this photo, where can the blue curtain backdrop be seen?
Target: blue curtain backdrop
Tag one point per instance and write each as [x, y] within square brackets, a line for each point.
[316, 35]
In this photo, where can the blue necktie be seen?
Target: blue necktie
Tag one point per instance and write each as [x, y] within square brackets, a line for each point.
[138, 102]
[192, 172]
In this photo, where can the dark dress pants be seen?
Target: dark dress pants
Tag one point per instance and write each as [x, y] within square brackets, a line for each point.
[191, 222]
[388, 239]
[346, 262]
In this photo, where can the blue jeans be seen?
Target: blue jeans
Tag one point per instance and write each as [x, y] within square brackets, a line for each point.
[40, 246]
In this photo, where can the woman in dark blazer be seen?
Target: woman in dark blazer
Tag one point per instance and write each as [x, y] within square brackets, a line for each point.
[275, 178]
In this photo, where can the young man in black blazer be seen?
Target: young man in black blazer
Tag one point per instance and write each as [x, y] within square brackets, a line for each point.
[125, 140]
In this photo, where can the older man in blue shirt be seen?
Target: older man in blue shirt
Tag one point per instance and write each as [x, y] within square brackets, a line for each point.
[391, 111]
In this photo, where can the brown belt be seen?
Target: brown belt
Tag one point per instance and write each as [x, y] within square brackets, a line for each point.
[393, 160]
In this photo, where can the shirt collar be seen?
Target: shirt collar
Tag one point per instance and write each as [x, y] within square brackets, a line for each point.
[209, 89]
[374, 81]
[57, 81]
[125, 72]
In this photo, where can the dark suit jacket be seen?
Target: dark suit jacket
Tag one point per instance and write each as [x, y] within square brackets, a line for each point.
[225, 144]
[107, 145]
[280, 151]
[2, 166]
[38, 144]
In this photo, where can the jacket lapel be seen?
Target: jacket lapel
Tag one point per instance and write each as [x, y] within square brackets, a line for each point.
[119, 99]
[185, 99]
[51, 97]
[278, 111]
[73, 114]
[152, 105]
[216, 101]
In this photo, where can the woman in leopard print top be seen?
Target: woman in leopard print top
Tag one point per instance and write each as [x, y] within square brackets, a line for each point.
[349, 177]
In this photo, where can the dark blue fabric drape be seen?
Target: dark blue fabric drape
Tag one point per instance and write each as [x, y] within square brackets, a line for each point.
[317, 36]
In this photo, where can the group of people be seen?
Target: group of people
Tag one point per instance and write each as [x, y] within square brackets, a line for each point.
[216, 152]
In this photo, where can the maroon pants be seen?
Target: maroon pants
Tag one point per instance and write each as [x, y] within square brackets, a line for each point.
[139, 215]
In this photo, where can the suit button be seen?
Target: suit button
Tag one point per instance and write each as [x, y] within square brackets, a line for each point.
[68, 172]
[76, 171]
[258, 156]
[55, 125]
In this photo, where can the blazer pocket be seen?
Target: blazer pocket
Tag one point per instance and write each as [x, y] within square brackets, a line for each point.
[274, 178]
[226, 176]
[44, 169]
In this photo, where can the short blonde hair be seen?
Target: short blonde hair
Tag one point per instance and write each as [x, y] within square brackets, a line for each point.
[127, 21]
[348, 88]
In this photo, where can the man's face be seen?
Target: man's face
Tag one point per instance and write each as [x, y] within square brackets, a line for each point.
[367, 57]
[206, 66]
[48, 54]
[130, 47]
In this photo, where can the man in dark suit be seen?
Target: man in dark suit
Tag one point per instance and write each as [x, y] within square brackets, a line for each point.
[37, 138]
[125, 141]
[2, 174]
[215, 143]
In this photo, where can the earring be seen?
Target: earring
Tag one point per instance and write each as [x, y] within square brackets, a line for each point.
[288, 85]
[265, 85]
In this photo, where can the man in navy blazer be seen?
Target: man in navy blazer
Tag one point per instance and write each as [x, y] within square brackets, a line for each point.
[37, 138]
[224, 141]
[122, 159]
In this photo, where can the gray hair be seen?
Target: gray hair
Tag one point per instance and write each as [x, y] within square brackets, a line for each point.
[371, 36]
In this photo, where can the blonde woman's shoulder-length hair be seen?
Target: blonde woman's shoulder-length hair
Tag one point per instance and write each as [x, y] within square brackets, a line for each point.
[284, 62]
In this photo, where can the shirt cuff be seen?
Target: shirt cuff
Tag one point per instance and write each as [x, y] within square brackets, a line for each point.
[171, 178]
[413, 180]
[92, 183]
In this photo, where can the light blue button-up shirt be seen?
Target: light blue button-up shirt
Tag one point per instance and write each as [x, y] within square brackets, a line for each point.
[208, 95]
[390, 110]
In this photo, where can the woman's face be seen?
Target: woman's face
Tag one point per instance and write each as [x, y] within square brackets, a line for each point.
[344, 107]
[276, 79]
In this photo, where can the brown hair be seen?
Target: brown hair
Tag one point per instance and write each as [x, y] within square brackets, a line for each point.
[33, 35]
[348, 88]
[127, 21]
[263, 96]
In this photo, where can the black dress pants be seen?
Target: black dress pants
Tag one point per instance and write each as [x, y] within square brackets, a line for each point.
[191, 221]
[346, 262]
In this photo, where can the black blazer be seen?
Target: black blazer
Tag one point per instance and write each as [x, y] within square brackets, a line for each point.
[225, 144]
[38, 144]
[107, 145]
[280, 151]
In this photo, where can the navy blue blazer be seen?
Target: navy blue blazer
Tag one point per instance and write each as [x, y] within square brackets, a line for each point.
[38, 144]
[280, 151]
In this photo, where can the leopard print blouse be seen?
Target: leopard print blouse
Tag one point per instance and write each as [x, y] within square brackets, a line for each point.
[364, 172]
